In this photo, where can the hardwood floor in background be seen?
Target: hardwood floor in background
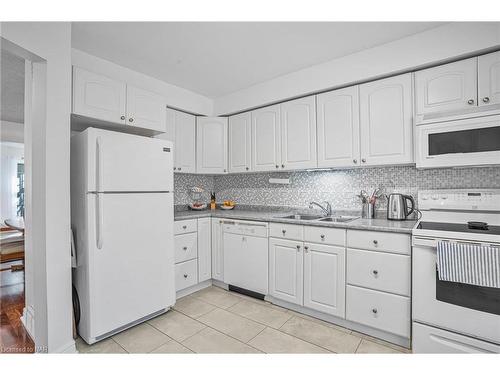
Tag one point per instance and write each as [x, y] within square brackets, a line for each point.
[13, 336]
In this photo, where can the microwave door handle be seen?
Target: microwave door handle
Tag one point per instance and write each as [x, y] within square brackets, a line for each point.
[99, 220]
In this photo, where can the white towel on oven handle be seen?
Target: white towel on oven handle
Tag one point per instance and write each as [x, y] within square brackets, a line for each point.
[466, 263]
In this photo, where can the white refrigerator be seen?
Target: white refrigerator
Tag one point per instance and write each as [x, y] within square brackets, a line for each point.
[122, 221]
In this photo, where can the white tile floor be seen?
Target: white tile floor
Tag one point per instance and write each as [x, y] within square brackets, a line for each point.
[214, 320]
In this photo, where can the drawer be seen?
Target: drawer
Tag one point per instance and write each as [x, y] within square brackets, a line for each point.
[185, 226]
[382, 271]
[322, 235]
[382, 241]
[186, 274]
[384, 311]
[186, 247]
[286, 231]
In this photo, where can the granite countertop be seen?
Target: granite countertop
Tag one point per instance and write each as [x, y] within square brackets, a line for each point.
[275, 215]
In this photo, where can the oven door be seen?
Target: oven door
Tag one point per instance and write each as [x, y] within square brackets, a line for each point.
[457, 143]
[444, 307]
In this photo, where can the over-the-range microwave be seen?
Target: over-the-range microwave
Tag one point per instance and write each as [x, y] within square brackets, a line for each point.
[457, 143]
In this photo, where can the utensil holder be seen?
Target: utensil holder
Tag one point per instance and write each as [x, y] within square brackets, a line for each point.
[368, 211]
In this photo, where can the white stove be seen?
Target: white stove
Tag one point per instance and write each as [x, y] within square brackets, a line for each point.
[453, 317]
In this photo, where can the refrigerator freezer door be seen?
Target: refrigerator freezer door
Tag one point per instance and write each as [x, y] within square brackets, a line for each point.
[131, 275]
[125, 162]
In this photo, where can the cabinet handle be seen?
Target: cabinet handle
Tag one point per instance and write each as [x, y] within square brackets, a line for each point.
[185, 276]
[306, 248]
[375, 242]
[363, 160]
[374, 311]
[298, 247]
[470, 101]
[180, 168]
[322, 237]
[283, 231]
[184, 227]
[131, 120]
[277, 166]
[122, 117]
[184, 248]
[486, 99]
[355, 161]
[225, 170]
[282, 165]
[375, 272]
[175, 168]
[247, 168]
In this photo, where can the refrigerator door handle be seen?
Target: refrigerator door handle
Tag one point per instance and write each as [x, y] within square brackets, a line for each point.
[100, 220]
[99, 166]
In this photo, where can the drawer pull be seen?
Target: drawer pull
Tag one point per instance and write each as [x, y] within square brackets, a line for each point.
[184, 248]
[322, 236]
[306, 248]
[283, 231]
[185, 276]
[375, 272]
[375, 242]
[298, 247]
[184, 227]
[374, 311]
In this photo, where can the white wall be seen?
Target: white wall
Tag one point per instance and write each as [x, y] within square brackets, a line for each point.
[441, 44]
[51, 135]
[11, 132]
[177, 97]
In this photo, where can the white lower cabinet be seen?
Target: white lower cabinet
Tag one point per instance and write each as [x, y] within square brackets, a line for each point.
[217, 250]
[186, 274]
[204, 249]
[324, 278]
[286, 270]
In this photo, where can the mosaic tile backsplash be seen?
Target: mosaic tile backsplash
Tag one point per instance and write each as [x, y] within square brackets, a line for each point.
[339, 187]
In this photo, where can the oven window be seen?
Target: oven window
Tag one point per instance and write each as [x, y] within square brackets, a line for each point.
[464, 141]
[471, 296]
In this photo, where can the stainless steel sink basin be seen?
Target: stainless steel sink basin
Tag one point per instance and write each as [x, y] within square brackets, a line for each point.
[302, 217]
[339, 219]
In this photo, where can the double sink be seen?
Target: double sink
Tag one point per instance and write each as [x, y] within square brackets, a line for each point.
[331, 219]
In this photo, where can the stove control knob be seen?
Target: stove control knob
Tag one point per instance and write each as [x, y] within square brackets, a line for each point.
[434, 197]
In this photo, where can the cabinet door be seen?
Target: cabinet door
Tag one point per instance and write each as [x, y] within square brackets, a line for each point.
[211, 147]
[146, 109]
[184, 134]
[447, 87]
[204, 249]
[240, 142]
[266, 136]
[324, 278]
[98, 97]
[285, 270]
[217, 250]
[338, 128]
[298, 133]
[489, 79]
[386, 121]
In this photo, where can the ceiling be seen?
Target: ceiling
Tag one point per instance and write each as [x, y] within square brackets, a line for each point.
[218, 58]
[11, 87]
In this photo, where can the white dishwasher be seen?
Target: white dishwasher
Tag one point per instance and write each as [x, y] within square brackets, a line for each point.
[246, 257]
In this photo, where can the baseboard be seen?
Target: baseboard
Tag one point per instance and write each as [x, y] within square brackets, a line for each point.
[370, 331]
[28, 321]
[194, 288]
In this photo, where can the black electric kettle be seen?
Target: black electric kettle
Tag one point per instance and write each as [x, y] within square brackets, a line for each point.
[397, 206]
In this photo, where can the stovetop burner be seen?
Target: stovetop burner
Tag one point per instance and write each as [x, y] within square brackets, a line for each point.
[459, 227]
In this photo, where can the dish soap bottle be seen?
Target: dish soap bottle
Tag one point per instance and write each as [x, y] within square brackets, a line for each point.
[212, 200]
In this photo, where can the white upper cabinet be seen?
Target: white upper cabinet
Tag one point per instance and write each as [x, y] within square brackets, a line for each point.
[266, 139]
[298, 133]
[489, 79]
[448, 87]
[386, 121]
[324, 278]
[240, 142]
[181, 129]
[338, 128]
[98, 96]
[211, 145]
[145, 109]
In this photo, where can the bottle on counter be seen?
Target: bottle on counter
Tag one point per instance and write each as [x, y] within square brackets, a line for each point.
[212, 200]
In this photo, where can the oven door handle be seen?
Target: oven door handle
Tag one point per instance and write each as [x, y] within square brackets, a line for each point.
[424, 242]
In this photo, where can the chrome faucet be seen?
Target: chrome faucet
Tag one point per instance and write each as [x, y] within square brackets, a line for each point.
[326, 210]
